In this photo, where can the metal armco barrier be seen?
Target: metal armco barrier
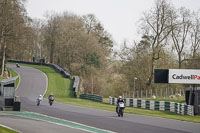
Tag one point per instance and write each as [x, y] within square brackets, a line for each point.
[54, 66]
[178, 108]
[75, 85]
[91, 97]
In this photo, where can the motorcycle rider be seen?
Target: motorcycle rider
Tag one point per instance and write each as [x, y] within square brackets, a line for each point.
[119, 99]
[17, 65]
[51, 97]
[39, 99]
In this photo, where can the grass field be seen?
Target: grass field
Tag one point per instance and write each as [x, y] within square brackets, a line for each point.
[62, 88]
[6, 130]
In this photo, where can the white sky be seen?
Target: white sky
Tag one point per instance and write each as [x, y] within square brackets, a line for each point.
[119, 17]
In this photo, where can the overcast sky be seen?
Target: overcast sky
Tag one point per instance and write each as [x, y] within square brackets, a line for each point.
[119, 17]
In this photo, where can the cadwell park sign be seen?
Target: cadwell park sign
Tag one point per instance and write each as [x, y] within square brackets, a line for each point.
[177, 76]
[184, 76]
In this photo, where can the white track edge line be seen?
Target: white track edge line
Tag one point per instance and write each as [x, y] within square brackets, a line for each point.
[10, 128]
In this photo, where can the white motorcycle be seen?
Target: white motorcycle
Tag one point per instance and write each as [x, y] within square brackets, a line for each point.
[39, 100]
[120, 109]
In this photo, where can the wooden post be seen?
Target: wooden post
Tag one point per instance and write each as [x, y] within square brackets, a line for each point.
[183, 92]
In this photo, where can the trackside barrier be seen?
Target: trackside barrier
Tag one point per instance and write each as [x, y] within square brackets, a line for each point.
[54, 66]
[91, 97]
[178, 108]
[75, 85]
[58, 69]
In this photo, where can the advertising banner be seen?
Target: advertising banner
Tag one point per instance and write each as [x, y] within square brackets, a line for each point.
[184, 76]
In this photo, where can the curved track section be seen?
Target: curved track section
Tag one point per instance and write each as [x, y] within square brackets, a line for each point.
[33, 82]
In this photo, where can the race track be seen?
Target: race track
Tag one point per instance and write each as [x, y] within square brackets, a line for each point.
[33, 82]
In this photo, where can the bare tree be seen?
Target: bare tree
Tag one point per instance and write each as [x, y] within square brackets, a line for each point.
[156, 28]
[90, 22]
[195, 34]
[94, 28]
[180, 32]
[51, 30]
[12, 15]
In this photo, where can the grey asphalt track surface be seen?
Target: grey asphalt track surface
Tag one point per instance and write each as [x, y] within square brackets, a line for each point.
[25, 125]
[33, 83]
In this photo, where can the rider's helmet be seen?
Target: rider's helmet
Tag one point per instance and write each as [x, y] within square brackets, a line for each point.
[40, 95]
[120, 97]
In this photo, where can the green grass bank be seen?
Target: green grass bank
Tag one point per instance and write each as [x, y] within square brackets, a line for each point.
[13, 74]
[6, 130]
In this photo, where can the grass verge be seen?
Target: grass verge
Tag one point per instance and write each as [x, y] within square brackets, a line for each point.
[6, 130]
[62, 89]
[178, 100]
[13, 74]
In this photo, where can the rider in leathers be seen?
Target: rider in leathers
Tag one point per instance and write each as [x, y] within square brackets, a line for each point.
[119, 99]
[51, 95]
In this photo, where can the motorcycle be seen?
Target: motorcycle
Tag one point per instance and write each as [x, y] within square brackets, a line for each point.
[17, 65]
[38, 101]
[51, 99]
[120, 109]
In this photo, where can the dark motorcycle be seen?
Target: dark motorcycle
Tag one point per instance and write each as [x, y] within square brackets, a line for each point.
[120, 109]
[51, 99]
[17, 65]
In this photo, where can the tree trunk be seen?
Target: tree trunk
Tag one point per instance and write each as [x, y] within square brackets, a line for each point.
[51, 52]
[151, 75]
[179, 61]
[3, 60]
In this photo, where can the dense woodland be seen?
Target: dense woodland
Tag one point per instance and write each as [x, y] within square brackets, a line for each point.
[81, 45]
